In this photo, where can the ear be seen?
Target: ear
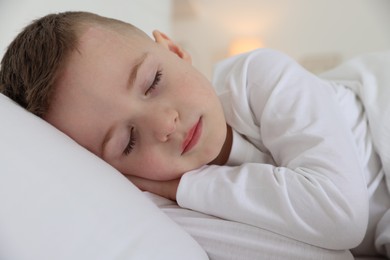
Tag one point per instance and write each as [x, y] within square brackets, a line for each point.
[167, 43]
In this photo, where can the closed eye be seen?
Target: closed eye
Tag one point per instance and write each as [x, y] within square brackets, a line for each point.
[131, 143]
[156, 81]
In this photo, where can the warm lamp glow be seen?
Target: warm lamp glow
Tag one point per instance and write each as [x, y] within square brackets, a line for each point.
[241, 45]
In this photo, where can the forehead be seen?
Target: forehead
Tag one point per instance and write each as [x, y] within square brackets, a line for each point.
[97, 37]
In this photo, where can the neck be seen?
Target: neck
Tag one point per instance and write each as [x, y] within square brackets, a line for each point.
[225, 151]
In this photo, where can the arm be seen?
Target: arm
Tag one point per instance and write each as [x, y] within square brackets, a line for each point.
[315, 192]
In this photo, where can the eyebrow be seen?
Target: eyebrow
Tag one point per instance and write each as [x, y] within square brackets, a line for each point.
[130, 82]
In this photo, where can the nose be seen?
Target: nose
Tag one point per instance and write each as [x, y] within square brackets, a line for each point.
[163, 123]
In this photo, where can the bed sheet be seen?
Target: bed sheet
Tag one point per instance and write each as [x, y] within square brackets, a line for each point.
[227, 240]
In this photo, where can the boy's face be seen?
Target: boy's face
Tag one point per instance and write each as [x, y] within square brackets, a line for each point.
[139, 105]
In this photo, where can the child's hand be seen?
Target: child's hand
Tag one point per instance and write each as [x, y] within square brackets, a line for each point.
[165, 189]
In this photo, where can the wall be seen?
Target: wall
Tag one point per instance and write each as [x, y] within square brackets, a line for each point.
[319, 34]
[146, 14]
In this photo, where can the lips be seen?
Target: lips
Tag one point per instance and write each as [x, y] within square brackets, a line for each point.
[192, 137]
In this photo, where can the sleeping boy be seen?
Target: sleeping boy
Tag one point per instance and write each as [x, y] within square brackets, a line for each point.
[268, 144]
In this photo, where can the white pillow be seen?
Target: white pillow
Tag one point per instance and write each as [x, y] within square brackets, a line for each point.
[59, 201]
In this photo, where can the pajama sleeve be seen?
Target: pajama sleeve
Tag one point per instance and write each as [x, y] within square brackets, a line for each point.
[314, 190]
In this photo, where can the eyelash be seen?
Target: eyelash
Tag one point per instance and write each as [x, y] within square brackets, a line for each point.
[130, 145]
[157, 79]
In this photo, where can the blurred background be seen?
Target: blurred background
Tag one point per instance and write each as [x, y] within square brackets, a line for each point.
[317, 33]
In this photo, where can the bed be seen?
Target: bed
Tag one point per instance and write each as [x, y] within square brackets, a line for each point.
[59, 201]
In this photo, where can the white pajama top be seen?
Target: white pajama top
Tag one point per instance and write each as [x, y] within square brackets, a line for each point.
[301, 158]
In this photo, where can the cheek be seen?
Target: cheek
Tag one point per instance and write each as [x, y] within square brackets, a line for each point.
[153, 166]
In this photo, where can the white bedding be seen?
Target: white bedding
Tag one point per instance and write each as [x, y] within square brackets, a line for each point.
[227, 240]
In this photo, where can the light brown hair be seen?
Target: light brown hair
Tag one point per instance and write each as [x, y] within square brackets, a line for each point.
[34, 59]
